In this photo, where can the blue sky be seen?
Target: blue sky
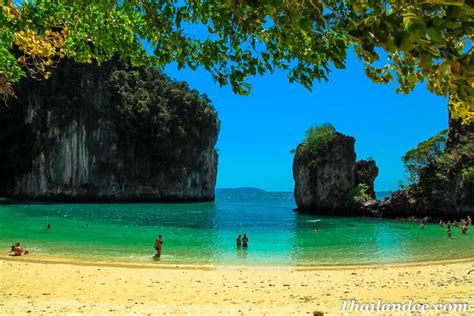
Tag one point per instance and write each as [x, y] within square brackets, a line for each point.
[259, 130]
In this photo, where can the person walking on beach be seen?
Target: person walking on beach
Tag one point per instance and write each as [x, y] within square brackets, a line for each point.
[158, 247]
[239, 241]
[245, 241]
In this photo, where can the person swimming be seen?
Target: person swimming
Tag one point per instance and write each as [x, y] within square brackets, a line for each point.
[245, 241]
[316, 229]
[239, 241]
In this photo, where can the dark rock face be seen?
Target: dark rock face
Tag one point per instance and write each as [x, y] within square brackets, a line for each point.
[365, 173]
[445, 189]
[112, 132]
[323, 180]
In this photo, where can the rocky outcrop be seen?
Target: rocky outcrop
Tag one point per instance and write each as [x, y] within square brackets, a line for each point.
[445, 188]
[365, 173]
[112, 132]
[329, 181]
[324, 179]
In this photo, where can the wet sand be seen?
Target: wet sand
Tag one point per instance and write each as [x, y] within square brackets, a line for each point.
[29, 286]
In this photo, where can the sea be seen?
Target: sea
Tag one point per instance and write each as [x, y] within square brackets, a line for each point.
[205, 233]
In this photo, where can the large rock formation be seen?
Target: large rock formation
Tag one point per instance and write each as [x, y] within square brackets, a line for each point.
[112, 132]
[324, 179]
[324, 183]
[445, 188]
[365, 173]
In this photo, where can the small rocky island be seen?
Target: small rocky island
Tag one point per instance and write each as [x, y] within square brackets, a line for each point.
[329, 181]
[108, 133]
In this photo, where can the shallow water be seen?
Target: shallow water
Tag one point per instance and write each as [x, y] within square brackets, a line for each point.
[204, 233]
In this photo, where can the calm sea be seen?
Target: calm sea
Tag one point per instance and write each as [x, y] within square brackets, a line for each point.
[205, 233]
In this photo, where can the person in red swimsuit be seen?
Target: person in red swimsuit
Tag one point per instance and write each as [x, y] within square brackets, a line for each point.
[18, 251]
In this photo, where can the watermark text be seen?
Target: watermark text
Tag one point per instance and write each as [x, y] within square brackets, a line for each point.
[353, 306]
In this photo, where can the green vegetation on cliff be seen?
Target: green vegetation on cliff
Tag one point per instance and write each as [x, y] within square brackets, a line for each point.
[318, 138]
[360, 193]
[432, 159]
[441, 172]
[162, 117]
[424, 155]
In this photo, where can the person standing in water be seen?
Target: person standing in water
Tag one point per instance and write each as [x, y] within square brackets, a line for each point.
[239, 241]
[448, 231]
[245, 241]
[422, 224]
[48, 227]
[158, 247]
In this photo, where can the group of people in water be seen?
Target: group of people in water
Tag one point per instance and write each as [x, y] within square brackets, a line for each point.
[463, 223]
[242, 242]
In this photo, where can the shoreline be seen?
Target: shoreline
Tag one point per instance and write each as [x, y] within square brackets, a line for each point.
[212, 267]
[65, 288]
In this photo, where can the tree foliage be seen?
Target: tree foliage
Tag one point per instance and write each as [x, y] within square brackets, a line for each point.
[424, 155]
[318, 138]
[360, 193]
[409, 41]
[165, 119]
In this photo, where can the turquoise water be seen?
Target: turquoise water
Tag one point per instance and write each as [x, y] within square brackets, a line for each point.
[204, 233]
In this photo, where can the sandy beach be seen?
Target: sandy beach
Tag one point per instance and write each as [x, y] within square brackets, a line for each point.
[37, 287]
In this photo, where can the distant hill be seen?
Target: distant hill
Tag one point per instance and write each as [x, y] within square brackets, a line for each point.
[239, 190]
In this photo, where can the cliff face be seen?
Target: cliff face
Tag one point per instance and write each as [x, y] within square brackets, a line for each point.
[324, 179]
[108, 133]
[445, 188]
[329, 181]
[365, 173]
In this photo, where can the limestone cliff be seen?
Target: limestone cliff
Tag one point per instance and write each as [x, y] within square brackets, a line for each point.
[323, 179]
[112, 132]
[365, 173]
[445, 188]
[328, 180]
